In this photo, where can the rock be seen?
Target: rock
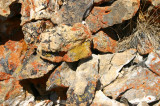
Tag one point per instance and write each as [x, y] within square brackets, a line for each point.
[63, 76]
[104, 43]
[33, 67]
[111, 64]
[157, 104]
[81, 92]
[153, 62]
[11, 55]
[32, 31]
[36, 10]
[9, 89]
[65, 43]
[137, 86]
[4, 7]
[103, 1]
[101, 100]
[156, 3]
[72, 12]
[110, 15]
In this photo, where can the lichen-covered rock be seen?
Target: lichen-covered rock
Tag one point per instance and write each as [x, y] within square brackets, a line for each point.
[141, 83]
[102, 100]
[102, 17]
[81, 92]
[33, 67]
[32, 31]
[111, 64]
[153, 62]
[63, 76]
[65, 43]
[73, 11]
[104, 43]
[11, 55]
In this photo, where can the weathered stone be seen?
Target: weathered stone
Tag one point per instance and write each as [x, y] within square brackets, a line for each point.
[11, 55]
[156, 3]
[65, 43]
[72, 12]
[102, 17]
[83, 89]
[153, 62]
[4, 7]
[32, 30]
[111, 64]
[101, 100]
[142, 104]
[9, 89]
[138, 85]
[34, 67]
[104, 43]
[63, 76]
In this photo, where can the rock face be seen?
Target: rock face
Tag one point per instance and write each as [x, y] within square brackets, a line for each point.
[79, 52]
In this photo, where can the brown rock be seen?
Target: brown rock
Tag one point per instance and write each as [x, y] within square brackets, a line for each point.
[104, 43]
[102, 17]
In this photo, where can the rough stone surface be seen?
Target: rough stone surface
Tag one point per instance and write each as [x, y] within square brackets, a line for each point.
[102, 17]
[65, 43]
[111, 64]
[102, 100]
[83, 88]
[63, 76]
[138, 85]
[153, 62]
[104, 43]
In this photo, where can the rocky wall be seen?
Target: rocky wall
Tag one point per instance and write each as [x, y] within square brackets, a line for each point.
[79, 52]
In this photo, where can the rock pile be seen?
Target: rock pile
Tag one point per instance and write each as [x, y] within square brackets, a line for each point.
[79, 52]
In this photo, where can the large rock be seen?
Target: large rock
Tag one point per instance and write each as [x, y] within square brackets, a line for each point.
[111, 64]
[102, 17]
[137, 85]
[153, 62]
[83, 88]
[65, 43]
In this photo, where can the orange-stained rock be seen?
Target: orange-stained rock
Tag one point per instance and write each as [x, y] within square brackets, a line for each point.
[102, 17]
[11, 55]
[140, 83]
[153, 62]
[104, 43]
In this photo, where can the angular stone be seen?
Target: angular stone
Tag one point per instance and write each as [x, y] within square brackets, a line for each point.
[138, 85]
[72, 12]
[63, 76]
[104, 43]
[65, 43]
[111, 64]
[156, 3]
[32, 30]
[81, 92]
[153, 62]
[33, 67]
[142, 104]
[11, 55]
[102, 100]
[102, 17]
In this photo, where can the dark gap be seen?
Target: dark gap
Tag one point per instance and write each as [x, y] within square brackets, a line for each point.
[35, 91]
[107, 3]
[73, 65]
[153, 103]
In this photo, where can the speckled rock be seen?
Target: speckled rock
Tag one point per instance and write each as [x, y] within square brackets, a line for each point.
[33, 67]
[81, 92]
[102, 100]
[104, 43]
[153, 62]
[156, 3]
[138, 85]
[111, 64]
[102, 17]
[11, 55]
[65, 43]
[32, 31]
[63, 76]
